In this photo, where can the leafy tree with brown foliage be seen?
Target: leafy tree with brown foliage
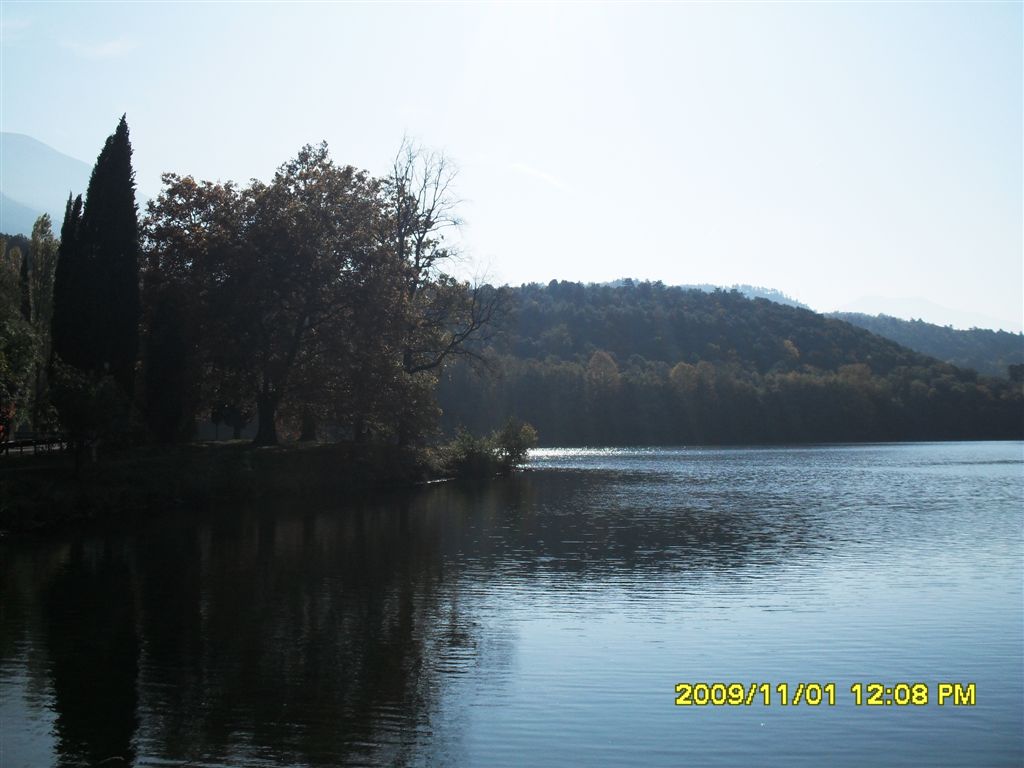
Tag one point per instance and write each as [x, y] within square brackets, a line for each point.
[272, 269]
[317, 297]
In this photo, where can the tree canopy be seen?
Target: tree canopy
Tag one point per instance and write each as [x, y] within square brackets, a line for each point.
[317, 296]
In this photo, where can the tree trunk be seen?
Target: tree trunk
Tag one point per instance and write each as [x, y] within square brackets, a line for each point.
[308, 434]
[404, 429]
[37, 398]
[266, 406]
[403, 436]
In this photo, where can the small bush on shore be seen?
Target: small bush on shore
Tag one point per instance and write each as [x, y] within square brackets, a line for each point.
[496, 454]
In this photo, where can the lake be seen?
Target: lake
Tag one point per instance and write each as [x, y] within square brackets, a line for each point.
[544, 619]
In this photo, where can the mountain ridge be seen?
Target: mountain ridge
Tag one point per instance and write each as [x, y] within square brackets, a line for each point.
[36, 178]
[987, 351]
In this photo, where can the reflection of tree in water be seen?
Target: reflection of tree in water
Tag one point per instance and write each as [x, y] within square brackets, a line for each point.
[307, 633]
[291, 633]
[93, 652]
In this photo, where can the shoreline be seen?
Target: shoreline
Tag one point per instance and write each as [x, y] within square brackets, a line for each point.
[40, 494]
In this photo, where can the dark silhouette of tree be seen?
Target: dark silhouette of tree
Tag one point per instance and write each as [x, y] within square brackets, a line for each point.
[350, 373]
[191, 230]
[95, 327]
[170, 372]
[109, 241]
[271, 265]
[71, 335]
[308, 228]
[317, 299]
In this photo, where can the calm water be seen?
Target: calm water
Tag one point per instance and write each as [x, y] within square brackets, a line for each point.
[542, 620]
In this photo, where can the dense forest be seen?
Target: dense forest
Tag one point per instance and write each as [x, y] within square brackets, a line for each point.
[986, 351]
[644, 363]
[318, 305]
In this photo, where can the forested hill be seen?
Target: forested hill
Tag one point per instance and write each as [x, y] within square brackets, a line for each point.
[644, 363]
[986, 351]
[670, 324]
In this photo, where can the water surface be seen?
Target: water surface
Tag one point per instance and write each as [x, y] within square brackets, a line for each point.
[542, 619]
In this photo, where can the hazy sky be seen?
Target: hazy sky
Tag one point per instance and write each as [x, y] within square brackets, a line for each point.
[833, 151]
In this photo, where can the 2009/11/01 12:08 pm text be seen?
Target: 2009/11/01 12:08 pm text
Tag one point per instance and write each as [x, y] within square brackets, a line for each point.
[816, 694]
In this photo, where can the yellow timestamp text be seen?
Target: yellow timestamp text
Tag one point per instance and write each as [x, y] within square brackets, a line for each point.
[813, 694]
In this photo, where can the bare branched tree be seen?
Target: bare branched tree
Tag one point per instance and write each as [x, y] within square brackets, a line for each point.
[447, 317]
[421, 205]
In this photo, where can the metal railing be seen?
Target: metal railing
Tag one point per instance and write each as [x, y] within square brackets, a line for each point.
[34, 443]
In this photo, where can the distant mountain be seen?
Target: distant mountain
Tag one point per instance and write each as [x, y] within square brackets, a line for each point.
[917, 308]
[36, 178]
[988, 352]
[16, 218]
[750, 291]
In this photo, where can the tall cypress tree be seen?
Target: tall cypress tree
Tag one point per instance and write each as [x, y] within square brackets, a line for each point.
[70, 325]
[109, 238]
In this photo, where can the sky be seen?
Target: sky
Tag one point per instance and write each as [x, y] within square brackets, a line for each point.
[851, 155]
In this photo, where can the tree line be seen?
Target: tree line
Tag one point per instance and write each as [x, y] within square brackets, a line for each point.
[993, 353]
[318, 302]
[644, 363]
